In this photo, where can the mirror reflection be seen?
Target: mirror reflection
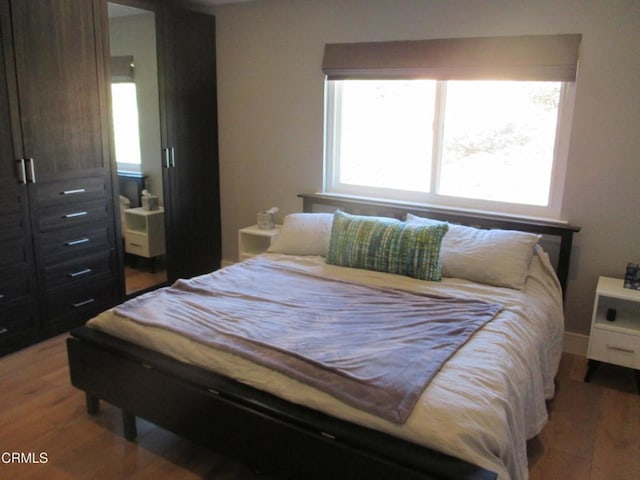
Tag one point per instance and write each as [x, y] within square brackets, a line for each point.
[136, 130]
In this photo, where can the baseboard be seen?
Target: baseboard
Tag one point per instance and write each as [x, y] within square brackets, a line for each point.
[226, 263]
[576, 343]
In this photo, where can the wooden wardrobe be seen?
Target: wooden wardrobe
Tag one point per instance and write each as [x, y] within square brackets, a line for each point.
[58, 260]
[189, 130]
[61, 260]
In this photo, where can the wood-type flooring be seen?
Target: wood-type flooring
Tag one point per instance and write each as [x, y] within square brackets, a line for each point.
[593, 433]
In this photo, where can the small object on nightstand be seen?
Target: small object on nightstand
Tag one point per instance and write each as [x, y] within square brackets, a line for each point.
[265, 219]
[611, 314]
[149, 202]
[632, 276]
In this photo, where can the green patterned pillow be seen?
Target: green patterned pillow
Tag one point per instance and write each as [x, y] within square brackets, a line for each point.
[386, 245]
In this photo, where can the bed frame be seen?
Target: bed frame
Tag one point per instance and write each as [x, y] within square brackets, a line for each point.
[254, 427]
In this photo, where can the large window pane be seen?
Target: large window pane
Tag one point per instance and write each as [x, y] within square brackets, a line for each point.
[386, 134]
[487, 145]
[125, 122]
[498, 141]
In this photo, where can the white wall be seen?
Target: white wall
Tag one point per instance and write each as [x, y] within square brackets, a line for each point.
[270, 89]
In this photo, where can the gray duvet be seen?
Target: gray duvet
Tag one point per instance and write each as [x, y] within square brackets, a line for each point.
[374, 348]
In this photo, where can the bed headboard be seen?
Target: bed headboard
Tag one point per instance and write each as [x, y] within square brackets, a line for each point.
[316, 202]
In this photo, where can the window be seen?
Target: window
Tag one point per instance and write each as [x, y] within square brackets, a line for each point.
[125, 123]
[459, 143]
[460, 138]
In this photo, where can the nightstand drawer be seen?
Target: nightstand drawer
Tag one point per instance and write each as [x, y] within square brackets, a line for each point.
[137, 244]
[617, 348]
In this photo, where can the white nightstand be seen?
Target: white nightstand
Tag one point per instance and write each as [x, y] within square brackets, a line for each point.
[615, 341]
[144, 232]
[253, 241]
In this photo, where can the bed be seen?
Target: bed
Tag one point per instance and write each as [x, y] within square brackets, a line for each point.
[471, 421]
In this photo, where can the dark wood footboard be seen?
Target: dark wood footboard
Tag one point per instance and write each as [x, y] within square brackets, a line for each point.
[241, 422]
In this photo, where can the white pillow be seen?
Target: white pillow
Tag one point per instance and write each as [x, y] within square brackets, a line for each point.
[493, 257]
[304, 234]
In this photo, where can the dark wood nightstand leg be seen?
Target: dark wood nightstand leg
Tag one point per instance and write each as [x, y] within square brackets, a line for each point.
[592, 365]
[129, 424]
[93, 404]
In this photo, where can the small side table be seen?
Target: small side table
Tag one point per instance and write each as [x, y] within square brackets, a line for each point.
[253, 241]
[615, 327]
[144, 232]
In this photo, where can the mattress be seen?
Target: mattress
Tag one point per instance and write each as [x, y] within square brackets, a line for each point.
[483, 404]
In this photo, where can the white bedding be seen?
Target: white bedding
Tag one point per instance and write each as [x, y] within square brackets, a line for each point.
[483, 405]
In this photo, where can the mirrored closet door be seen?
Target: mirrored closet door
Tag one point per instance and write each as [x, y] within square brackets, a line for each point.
[136, 134]
[163, 79]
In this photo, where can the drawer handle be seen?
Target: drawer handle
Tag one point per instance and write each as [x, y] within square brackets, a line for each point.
[73, 243]
[75, 214]
[85, 302]
[71, 192]
[79, 273]
[134, 244]
[3, 330]
[620, 349]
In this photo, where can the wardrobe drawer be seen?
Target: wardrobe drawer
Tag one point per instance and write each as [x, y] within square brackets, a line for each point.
[15, 285]
[56, 246]
[72, 214]
[14, 215]
[80, 302]
[17, 320]
[72, 190]
[13, 252]
[78, 271]
[12, 225]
